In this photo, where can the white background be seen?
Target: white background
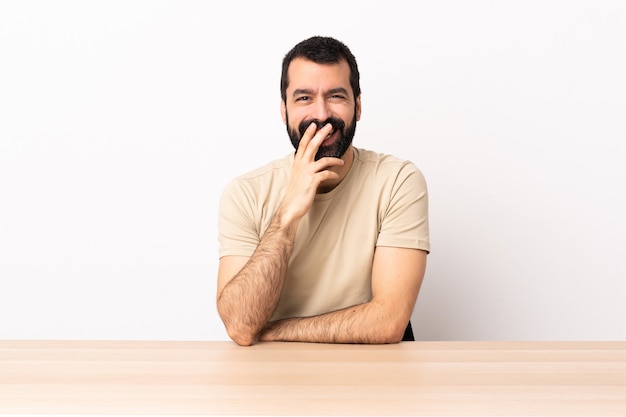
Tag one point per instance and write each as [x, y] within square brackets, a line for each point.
[121, 121]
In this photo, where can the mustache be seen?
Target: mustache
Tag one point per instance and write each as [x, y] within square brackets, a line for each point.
[337, 124]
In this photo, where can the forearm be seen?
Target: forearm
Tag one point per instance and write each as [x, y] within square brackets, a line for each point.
[248, 301]
[369, 323]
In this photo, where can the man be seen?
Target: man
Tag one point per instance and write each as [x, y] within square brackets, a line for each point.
[328, 244]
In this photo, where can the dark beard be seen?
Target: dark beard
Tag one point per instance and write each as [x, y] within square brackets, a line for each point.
[335, 150]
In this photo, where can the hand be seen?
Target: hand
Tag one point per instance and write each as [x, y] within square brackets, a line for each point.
[307, 174]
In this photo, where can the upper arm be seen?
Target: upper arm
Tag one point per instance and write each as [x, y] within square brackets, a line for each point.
[397, 275]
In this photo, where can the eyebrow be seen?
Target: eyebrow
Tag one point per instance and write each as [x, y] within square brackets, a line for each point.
[307, 91]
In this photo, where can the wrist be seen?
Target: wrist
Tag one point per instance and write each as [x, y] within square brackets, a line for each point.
[265, 335]
[286, 219]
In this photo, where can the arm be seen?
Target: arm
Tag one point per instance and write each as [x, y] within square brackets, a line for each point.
[397, 275]
[249, 288]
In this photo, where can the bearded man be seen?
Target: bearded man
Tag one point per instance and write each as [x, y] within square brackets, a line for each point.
[327, 244]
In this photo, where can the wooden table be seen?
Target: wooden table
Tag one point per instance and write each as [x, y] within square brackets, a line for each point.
[221, 378]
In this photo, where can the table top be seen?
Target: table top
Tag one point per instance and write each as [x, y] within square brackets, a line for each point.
[221, 378]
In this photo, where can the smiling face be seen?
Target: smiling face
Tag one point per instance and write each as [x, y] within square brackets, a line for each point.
[320, 94]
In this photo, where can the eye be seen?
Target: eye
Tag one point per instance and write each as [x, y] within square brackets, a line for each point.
[303, 98]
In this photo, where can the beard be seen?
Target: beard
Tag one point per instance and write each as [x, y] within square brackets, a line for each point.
[336, 149]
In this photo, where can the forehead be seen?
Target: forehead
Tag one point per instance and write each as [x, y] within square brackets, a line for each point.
[305, 74]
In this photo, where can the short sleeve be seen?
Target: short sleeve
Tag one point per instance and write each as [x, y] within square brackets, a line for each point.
[404, 219]
[237, 231]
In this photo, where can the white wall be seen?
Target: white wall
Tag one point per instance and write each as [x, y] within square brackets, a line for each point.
[121, 121]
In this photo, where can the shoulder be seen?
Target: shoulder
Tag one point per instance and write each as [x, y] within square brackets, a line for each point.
[385, 165]
[261, 178]
[269, 170]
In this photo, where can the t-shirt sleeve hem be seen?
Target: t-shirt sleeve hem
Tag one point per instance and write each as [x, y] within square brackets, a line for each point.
[405, 243]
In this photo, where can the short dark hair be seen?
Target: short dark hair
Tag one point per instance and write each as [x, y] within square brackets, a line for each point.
[321, 50]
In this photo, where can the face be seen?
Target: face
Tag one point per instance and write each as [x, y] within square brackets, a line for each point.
[320, 94]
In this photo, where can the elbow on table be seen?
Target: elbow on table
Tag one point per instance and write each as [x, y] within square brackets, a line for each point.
[238, 333]
[242, 338]
[391, 338]
[394, 333]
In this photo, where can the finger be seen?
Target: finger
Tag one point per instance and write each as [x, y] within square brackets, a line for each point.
[326, 174]
[316, 141]
[327, 162]
[305, 139]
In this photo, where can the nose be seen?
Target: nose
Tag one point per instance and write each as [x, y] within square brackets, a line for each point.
[320, 110]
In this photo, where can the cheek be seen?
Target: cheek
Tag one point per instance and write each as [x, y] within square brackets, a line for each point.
[348, 113]
[294, 118]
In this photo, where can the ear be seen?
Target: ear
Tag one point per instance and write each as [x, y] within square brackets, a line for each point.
[283, 111]
[358, 108]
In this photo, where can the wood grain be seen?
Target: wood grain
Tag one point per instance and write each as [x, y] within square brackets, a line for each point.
[220, 378]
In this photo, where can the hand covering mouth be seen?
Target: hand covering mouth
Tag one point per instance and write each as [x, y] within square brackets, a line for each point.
[337, 125]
